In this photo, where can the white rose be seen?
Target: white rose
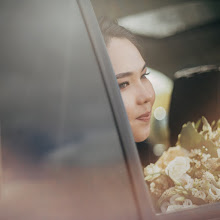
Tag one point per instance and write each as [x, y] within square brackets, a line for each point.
[218, 152]
[177, 167]
[151, 172]
[187, 181]
[151, 169]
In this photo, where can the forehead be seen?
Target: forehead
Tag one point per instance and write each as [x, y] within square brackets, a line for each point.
[124, 56]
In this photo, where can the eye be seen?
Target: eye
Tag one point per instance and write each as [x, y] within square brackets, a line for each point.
[145, 74]
[123, 85]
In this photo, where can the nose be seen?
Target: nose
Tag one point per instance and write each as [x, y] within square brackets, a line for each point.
[144, 93]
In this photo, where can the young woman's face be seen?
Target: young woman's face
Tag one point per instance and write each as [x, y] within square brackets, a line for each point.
[136, 90]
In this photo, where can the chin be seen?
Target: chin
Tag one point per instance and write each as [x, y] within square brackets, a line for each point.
[142, 136]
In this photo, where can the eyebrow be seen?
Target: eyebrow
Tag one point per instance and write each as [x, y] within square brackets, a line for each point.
[126, 74]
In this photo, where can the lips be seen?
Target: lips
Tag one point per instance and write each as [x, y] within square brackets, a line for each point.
[145, 117]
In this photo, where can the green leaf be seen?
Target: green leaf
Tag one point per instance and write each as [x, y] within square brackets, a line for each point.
[189, 139]
[206, 125]
[216, 137]
[198, 123]
[217, 125]
[213, 124]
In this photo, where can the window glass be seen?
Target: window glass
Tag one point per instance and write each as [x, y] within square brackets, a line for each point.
[61, 154]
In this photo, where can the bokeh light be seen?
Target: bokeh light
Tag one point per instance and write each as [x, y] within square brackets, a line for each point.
[160, 113]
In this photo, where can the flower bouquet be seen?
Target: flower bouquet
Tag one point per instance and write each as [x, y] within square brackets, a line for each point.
[188, 175]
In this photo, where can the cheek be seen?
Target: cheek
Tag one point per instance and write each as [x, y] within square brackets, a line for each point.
[154, 95]
[151, 91]
[128, 101]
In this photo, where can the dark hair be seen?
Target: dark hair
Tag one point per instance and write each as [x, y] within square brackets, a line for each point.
[110, 29]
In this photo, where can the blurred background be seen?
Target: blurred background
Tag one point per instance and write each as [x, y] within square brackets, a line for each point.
[177, 36]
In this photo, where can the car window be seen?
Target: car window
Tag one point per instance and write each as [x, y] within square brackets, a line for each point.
[61, 152]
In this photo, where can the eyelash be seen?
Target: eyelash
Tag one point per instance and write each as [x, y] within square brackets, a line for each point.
[125, 84]
[145, 75]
